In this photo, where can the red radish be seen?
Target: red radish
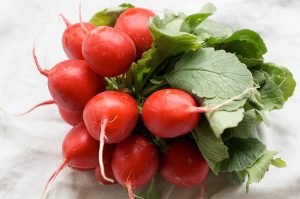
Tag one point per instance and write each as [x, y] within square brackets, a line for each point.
[73, 37]
[183, 165]
[83, 170]
[70, 117]
[170, 113]
[71, 83]
[80, 151]
[134, 162]
[108, 51]
[110, 117]
[107, 154]
[134, 22]
[115, 110]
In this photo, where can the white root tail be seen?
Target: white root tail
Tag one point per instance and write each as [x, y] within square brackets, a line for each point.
[101, 139]
[202, 191]
[52, 178]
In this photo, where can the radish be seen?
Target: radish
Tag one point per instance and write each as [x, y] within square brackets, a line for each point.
[107, 154]
[134, 22]
[80, 151]
[69, 117]
[71, 83]
[134, 162]
[170, 113]
[73, 37]
[108, 51]
[183, 165]
[110, 117]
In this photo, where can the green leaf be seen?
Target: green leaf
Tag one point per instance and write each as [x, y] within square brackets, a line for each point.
[271, 95]
[282, 77]
[209, 28]
[173, 21]
[109, 16]
[211, 147]
[151, 192]
[209, 73]
[242, 154]
[237, 177]
[250, 62]
[166, 44]
[245, 43]
[278, 162]
[191, 22]
[246, 127]
[257, 171]
[221, 120]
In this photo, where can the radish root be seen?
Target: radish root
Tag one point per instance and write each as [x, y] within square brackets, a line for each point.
[52, 178]
[169, 193]
[48, 102]
[67, 22]
[84, 29]
[101, 139]
[130, 191]
[42, 71]
[202, 191]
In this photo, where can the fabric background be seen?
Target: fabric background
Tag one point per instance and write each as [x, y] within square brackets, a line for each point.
[30, 146]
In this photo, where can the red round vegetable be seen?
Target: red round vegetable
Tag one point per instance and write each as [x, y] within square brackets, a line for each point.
[183, 165]
[70, 117]
[110, 117]
[170, 113]
[71, 83]
[117, 110]
[108, 51]
[80, 151]
[107, 154]
[134, 22]
[73, 37]
[134, 162]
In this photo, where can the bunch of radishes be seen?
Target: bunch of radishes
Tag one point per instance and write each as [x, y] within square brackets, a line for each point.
[108, 127]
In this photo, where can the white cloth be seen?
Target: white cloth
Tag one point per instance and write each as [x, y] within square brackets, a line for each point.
[30, 146]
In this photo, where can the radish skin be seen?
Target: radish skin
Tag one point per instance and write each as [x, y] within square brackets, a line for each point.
[118, 108]
[134, 22]
[110, 117]
[73, 37]
[108, 51]
[134, 163]
[67, 75]
[167, 113]
[183, 164]
[80, 151]
[69, 117]
[72, 118]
